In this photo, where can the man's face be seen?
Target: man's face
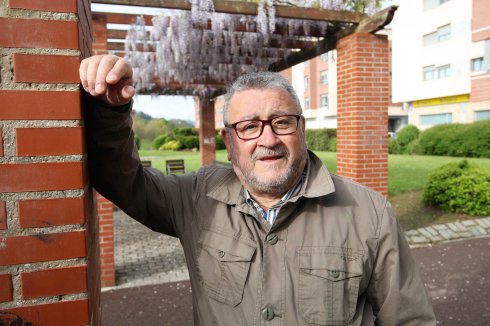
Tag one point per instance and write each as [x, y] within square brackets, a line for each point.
[270, 164]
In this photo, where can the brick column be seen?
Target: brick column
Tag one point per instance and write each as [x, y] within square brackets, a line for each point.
[363, 97]
[49, 269]
[107, 266]
[207, 141]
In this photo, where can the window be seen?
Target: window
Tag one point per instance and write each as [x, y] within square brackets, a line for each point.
[443, 33]
[324, 57]
[324, 77]
[307, 104]
[482, 115]
[306, 80]
[436, 119]
[477, 64]
[433, 72]
[324, 100]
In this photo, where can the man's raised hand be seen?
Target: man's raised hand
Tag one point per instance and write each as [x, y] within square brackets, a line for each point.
[109, 78]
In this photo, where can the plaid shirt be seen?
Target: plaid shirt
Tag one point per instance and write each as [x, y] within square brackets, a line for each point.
[271, 214]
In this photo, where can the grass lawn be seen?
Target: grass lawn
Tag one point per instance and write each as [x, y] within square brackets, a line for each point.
[407, 177]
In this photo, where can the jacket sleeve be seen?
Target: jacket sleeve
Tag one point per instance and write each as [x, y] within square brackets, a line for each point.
[396, 290]
[116, 171]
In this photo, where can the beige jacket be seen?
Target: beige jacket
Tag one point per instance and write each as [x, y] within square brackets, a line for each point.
[334, 256]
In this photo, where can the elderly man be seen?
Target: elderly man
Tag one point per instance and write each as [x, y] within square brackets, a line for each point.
[274, 240]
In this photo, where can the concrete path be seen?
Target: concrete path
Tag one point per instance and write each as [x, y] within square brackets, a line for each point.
[153, 288]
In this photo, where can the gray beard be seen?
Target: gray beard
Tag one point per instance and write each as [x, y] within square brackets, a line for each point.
[279, 185]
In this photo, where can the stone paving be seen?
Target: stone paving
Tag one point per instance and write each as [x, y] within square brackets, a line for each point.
[145, 257]
[450, 231]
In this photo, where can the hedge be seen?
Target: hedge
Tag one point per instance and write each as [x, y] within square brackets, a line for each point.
[460, 187]
[460, 140]
[320, 139]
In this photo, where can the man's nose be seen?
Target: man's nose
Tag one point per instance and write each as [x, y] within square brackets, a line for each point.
[268, 137]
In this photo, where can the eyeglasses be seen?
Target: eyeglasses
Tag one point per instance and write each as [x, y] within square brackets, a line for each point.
[251, 129]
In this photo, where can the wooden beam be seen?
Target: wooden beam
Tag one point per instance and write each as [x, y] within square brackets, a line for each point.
[323, 46]
[249, 8]
[377, 21]
[369, 25]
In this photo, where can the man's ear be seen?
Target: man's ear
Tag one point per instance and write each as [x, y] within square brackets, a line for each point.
[226, 140]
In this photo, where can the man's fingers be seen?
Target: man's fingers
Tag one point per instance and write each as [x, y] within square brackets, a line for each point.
[83, 74]
[91, 71]
[106, 66]
[121, 70]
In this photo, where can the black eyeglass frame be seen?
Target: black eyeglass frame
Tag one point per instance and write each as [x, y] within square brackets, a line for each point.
[264, 122]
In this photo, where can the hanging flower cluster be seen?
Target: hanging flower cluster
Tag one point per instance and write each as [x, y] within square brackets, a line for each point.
[205, 47]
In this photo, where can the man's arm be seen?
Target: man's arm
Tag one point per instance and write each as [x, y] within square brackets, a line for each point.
[396, 290]
[114, 166]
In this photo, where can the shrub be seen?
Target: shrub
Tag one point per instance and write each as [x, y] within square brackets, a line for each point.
[185, 132]
[393, 147]
[220, 144]
[137, 140]
[333, 144]
[460, 187]
[319, 139]
[469, 140]
[159, 141]
[407, 135]
[172, 145]
[189, 142]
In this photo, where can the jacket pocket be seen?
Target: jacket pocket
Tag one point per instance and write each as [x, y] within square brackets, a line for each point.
[328, 285]
[224, 263]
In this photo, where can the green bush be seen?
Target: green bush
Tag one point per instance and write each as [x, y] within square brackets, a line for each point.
[188, 142]
[333, 144]
[185, 132]
[319, 139]
[460, 187]
[393, 147]
[159, 141]
[461, 140]
[172, 145]
[137, 140]
[220, 144]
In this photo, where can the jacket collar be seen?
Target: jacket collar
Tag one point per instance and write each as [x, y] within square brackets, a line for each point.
[318, 183]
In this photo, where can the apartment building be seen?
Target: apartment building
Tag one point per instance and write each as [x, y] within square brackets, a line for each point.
[440, 57]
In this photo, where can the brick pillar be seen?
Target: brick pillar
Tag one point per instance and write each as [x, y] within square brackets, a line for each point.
[207, 140]
[99, 24]
[363, 97]
[49, 269]
[107, 266]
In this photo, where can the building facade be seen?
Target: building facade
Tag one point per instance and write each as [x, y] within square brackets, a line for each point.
[440, 59]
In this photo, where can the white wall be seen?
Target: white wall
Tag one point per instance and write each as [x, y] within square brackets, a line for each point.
[411, 22]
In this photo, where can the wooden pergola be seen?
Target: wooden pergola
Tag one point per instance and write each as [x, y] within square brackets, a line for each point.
[305, 45]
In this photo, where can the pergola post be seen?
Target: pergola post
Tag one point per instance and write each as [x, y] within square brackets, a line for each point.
[363, 98]
[207, 132]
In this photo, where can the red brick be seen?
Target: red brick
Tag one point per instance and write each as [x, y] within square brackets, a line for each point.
[37, 33]
[50, 212]
[3, 215]
[49, 141]
[57, 313]
[37, 105]
[1, 142]
[58, 281]
[41, 176]
[5, 288]
[33, 68]
[46, 5]
[43, 247]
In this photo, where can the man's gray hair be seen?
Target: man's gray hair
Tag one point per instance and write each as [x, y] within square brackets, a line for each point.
[259, 80]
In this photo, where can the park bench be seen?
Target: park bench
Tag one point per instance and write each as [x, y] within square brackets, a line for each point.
[175, 166]
[146, 163]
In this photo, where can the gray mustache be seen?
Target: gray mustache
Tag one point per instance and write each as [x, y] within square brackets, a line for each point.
[262, 152]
